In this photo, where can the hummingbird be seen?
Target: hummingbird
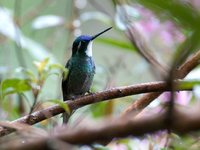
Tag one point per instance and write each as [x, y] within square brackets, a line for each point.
[81, 69]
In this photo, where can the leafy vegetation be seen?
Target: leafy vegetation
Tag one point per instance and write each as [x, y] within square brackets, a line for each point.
[36, 39]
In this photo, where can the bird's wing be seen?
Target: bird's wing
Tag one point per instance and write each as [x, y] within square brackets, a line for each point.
[94, 68]
[65, 80]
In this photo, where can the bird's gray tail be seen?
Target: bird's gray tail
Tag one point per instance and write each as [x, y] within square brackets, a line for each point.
[66, 117]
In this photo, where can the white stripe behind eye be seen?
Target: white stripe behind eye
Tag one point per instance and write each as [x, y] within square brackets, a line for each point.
[79, 45]
[89, 50]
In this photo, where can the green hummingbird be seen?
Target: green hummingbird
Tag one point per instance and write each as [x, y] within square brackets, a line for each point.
[81, 69]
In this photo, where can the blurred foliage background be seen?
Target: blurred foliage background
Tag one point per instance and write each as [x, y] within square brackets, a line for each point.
[36, 39]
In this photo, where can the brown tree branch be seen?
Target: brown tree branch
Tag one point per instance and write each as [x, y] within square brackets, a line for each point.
[118, 92]
[184, 120]
[143, 49]
[90, 99]
[114, 93]
[182, 71]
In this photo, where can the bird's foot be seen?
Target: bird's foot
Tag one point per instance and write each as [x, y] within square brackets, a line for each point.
[73, 97]
[89, 92]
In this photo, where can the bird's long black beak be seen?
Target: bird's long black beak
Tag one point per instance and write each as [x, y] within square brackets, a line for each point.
[95, 36]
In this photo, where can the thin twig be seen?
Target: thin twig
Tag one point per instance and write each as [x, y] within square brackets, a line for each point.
[138, 42]
[109, 94]
[38, 116]
[142, 48]
[182, 71]
[185, 120]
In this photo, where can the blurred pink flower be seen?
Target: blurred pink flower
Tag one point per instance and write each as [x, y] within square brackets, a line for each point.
[162, 36]
[182, 98]
[195, 3]
[150, 25]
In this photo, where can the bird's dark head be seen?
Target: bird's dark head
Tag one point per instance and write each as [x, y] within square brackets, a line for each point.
[83, 44]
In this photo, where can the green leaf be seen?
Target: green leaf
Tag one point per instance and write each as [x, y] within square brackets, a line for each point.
[99, 109]
[118, 43]
[188, 84]
[41, 65]
[126, 142]
[56, 66]
[10, 86]
[61, 67]
[13, 111]
[61, 104]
